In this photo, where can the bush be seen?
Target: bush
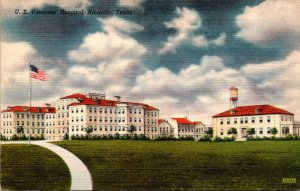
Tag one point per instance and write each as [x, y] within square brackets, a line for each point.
[188, 138]
[225, 139]
[205, 138]
[66, 136]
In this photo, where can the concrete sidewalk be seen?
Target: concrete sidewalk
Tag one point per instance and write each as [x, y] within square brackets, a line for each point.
[80, 175]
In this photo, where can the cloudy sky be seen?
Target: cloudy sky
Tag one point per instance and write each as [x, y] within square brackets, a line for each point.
[174, 55]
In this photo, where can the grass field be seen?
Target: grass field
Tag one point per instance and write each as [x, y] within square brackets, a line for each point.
[25, 167]
[150, 165]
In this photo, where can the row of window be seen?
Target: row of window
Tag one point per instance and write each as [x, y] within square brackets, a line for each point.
[261, 131]
[185, 130]
[111, 119]
[105, 128]
[6, 115]
[245, 120]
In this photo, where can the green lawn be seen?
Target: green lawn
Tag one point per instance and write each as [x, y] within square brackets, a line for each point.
[150, 165]
[25, 167]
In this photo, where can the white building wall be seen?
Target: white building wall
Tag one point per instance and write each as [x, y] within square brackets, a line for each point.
[221, 125]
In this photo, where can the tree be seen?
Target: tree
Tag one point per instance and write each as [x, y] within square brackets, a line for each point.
[131, 129]
[89, 130]
[274, 131]
[250, 131]
[20, 130]
[209, 131]
[232, 131]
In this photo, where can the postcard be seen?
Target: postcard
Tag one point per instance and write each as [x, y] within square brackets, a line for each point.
[150, 95]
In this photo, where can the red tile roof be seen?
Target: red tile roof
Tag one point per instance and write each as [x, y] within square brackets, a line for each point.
[183, 121]
[161, 121]
[76, 96]
[89, 101]
[32, 109]
[197, 122]
[253, 110]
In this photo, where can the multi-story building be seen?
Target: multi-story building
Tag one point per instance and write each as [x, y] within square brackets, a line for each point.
[110, 117]
[33, 120]
[57, 124]
[260, 117]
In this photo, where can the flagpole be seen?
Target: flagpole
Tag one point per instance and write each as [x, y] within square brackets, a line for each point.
[29, 104]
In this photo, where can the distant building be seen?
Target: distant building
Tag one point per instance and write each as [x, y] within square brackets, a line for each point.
[110, 117]
[16, 116]
[260, 117]
[183, 127]
[296, 127]
[165, 128]
[200, 129]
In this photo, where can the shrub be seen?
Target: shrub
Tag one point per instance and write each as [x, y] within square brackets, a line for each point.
[205, 138]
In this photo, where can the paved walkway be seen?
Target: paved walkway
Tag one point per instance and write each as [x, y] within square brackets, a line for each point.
[80, 176]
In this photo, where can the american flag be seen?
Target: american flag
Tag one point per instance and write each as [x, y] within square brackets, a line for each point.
[37, 73]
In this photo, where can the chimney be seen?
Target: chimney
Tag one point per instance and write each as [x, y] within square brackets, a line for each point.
[117, 98]
[257, 110]
[47, 104]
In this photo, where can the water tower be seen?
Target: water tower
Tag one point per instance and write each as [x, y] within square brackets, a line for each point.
[233, 97]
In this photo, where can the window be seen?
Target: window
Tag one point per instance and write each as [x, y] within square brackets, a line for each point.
[268, 119]
[260, 119]
[228, 121]
[261, 130]
[90, 118]
[235, 120]
[95, 110]
[241, 120]
[95, 118]
[123, 111]
[246, 119]
[221, 132]
[269, 130]
[90, 110]
[253, 119]
[221, 121]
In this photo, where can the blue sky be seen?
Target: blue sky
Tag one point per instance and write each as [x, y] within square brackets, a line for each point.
[174, 55]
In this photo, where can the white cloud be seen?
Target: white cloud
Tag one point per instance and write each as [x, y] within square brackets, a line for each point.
[117, 25]
[270, 21]
[203, 88]
[108, 60]
[131, 3]
[220, 41]
[185, 25]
